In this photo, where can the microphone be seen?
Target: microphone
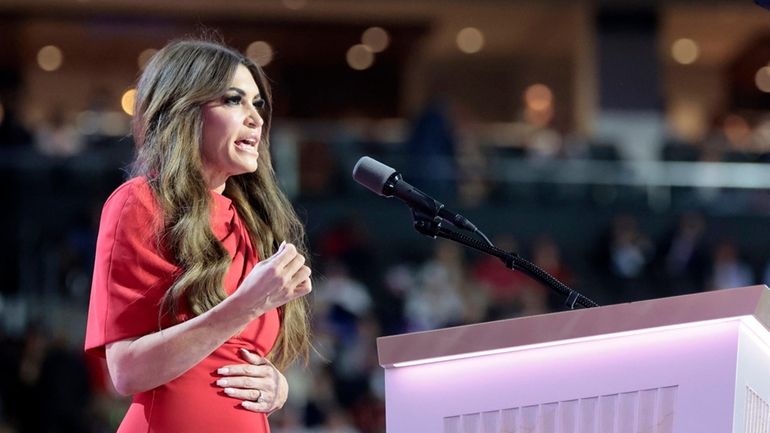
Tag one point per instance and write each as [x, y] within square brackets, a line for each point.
[387, 182]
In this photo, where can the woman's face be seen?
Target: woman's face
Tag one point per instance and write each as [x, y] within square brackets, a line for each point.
[232, 127]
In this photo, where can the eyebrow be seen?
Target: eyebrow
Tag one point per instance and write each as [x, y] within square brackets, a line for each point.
[242, 93]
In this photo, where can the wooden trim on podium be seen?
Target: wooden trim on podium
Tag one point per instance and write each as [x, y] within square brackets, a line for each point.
[500, 335]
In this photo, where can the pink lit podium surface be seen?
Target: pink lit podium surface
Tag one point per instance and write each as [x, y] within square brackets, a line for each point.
[687, 364]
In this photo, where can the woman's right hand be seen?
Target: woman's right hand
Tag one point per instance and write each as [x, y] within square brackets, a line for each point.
[275, 281]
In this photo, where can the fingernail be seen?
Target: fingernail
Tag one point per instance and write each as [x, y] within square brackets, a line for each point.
[229, 391]
[280, 247]
[222, 382]
[246, 404]
[223, 370]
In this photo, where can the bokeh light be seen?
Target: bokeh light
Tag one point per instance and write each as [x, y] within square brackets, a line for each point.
[762, 79]
[737, 129]
[145, 56]
[470, 40]
[376, 38]
[260, 52]
[685, 51]
[538, 97]
[50, 58]
[127, 101]
[538, 101]
[360, 57]
[687, 120]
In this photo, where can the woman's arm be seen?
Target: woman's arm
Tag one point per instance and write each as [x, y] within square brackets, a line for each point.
[144, 363]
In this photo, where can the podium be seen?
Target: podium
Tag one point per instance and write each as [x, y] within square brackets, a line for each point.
[688, 364]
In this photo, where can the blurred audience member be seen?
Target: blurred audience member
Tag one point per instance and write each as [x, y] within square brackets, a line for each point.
[58, 137]
[729, 269]
[398, 281]
[547, 256]
[543, 145]
[337, 421]
[433, 143]
[368, 414]
[288, 420]
[47, 388]
[436, 301]
[474, 184]
[341, 300]
[347, 241]
[12, 131]
[505, 288]
[623, 258]
[715, 146]
[682, 259]
[322, 398]
[64, 391]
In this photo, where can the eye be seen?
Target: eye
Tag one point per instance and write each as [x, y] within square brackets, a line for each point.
[259, 104]
[233, 99]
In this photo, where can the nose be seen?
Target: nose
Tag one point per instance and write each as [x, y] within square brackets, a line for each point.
[253, 119]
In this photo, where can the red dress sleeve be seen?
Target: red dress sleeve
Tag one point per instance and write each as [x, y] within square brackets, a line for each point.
[131, 275]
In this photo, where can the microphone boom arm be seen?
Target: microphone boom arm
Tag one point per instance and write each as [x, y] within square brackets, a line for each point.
[431, 226]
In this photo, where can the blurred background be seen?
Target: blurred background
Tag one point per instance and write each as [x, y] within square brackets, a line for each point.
[622, 146]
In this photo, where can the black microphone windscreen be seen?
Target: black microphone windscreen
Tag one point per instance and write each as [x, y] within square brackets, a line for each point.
[372, 174]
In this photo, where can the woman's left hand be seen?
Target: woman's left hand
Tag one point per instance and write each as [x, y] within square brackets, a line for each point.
[259, 384]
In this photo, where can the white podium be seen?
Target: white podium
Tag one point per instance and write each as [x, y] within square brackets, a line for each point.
[687, 364]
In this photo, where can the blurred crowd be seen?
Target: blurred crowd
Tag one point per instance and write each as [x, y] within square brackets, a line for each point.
[363, 289]
[49, 386]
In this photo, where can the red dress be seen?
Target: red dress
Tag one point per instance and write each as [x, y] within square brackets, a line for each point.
[131, 275]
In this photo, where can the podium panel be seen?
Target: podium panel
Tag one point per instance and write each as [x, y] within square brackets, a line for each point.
[695, 363]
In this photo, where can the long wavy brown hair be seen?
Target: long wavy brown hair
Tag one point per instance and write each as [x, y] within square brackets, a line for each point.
[167, 127]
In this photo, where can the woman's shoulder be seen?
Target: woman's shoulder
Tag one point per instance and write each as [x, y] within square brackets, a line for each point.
[136, 186]
[133, 197]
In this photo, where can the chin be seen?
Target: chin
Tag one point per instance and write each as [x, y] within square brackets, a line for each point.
[247, 166]
[250, 168]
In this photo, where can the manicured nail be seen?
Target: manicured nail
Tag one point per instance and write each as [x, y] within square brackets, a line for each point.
[223, 370]
[222, 382]
[229, 391]
[248, 405]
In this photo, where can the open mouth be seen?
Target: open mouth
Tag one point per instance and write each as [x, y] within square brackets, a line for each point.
[247, 145]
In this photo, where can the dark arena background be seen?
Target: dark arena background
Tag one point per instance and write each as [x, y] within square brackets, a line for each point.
[623, 146]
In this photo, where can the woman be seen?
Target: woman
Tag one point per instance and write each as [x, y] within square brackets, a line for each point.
[181, 305]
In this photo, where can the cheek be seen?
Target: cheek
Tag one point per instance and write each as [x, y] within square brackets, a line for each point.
[214, 134]
[207, 146]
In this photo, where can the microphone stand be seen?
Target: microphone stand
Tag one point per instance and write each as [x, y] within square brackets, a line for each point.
[431, 226]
